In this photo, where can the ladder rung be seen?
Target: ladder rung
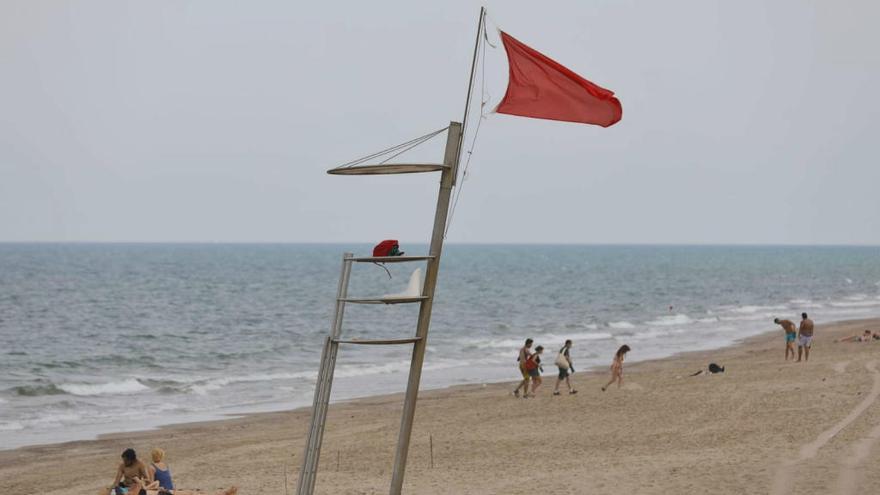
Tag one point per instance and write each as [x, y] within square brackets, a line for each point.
[386, 300]
[379, 342]
[390, 259]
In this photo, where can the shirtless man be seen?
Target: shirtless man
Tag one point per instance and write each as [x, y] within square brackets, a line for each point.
[524, 353]
[790, 335]
[805, 337]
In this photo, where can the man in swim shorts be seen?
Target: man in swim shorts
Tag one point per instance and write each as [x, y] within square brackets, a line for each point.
[805, 337]
[524, 353]
[790, 335]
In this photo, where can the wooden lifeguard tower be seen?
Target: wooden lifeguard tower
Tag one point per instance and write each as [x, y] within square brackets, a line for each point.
[448, 169]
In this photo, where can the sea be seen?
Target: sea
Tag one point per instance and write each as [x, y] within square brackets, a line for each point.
[100, 338]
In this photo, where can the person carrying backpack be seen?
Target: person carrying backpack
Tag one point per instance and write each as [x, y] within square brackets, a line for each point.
[533, 366]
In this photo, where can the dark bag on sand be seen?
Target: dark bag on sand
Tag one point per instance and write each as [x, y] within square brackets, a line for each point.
[714, 368]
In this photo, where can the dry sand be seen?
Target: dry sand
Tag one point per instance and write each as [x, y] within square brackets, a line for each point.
[764, 426]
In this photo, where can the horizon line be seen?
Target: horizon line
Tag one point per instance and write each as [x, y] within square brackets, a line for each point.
[423, 243]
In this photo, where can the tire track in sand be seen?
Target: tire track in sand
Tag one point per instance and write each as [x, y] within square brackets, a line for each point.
[850, 475]
[782, 479]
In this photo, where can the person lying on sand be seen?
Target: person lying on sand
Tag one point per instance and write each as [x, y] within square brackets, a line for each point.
[867, 336]
[617, 367]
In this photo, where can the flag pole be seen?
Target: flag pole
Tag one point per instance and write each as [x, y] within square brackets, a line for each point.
[467, 103]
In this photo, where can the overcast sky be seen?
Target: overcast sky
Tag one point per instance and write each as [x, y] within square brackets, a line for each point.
[744, 122]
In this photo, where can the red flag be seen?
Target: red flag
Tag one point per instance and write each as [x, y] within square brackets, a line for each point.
[540, 87]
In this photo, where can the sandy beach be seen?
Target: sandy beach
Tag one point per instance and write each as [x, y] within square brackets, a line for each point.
[764, 426]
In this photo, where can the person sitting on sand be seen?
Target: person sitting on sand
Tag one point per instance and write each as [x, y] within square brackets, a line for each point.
[805, 337]
[533, 366]
[867, 336]
[563, 362]
[524, 353]
[617, 367]
[790, 335]
[159, 471]
[129, 469]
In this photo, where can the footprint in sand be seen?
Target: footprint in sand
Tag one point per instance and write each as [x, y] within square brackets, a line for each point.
[841, 366]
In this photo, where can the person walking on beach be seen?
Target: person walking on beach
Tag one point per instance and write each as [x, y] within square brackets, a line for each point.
[524, 353]
[533, 366]
[805, 337]
[617, 367]
[563, 362]
[790, 335]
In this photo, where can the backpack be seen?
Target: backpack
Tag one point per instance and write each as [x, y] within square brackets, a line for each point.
[388, 247]
[531, 363]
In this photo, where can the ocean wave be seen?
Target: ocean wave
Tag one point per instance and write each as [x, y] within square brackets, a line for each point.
[670, 320]
[801, 302]
[11, 426]
[560, 339]
[653, 333]
[130, 386]
[37, 390]
[854, 304]
[202, 387]
[752, 309]
[623, 325]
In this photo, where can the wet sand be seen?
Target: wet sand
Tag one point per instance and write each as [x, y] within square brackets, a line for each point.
[764, 426]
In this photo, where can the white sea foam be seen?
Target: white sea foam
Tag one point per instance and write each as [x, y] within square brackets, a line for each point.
[209, 385]
[752, 309]
[854, 304]
[671, 320]
[55, 418]
[11, 426]
[621, 325]
[653, 333]
[130, 386]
